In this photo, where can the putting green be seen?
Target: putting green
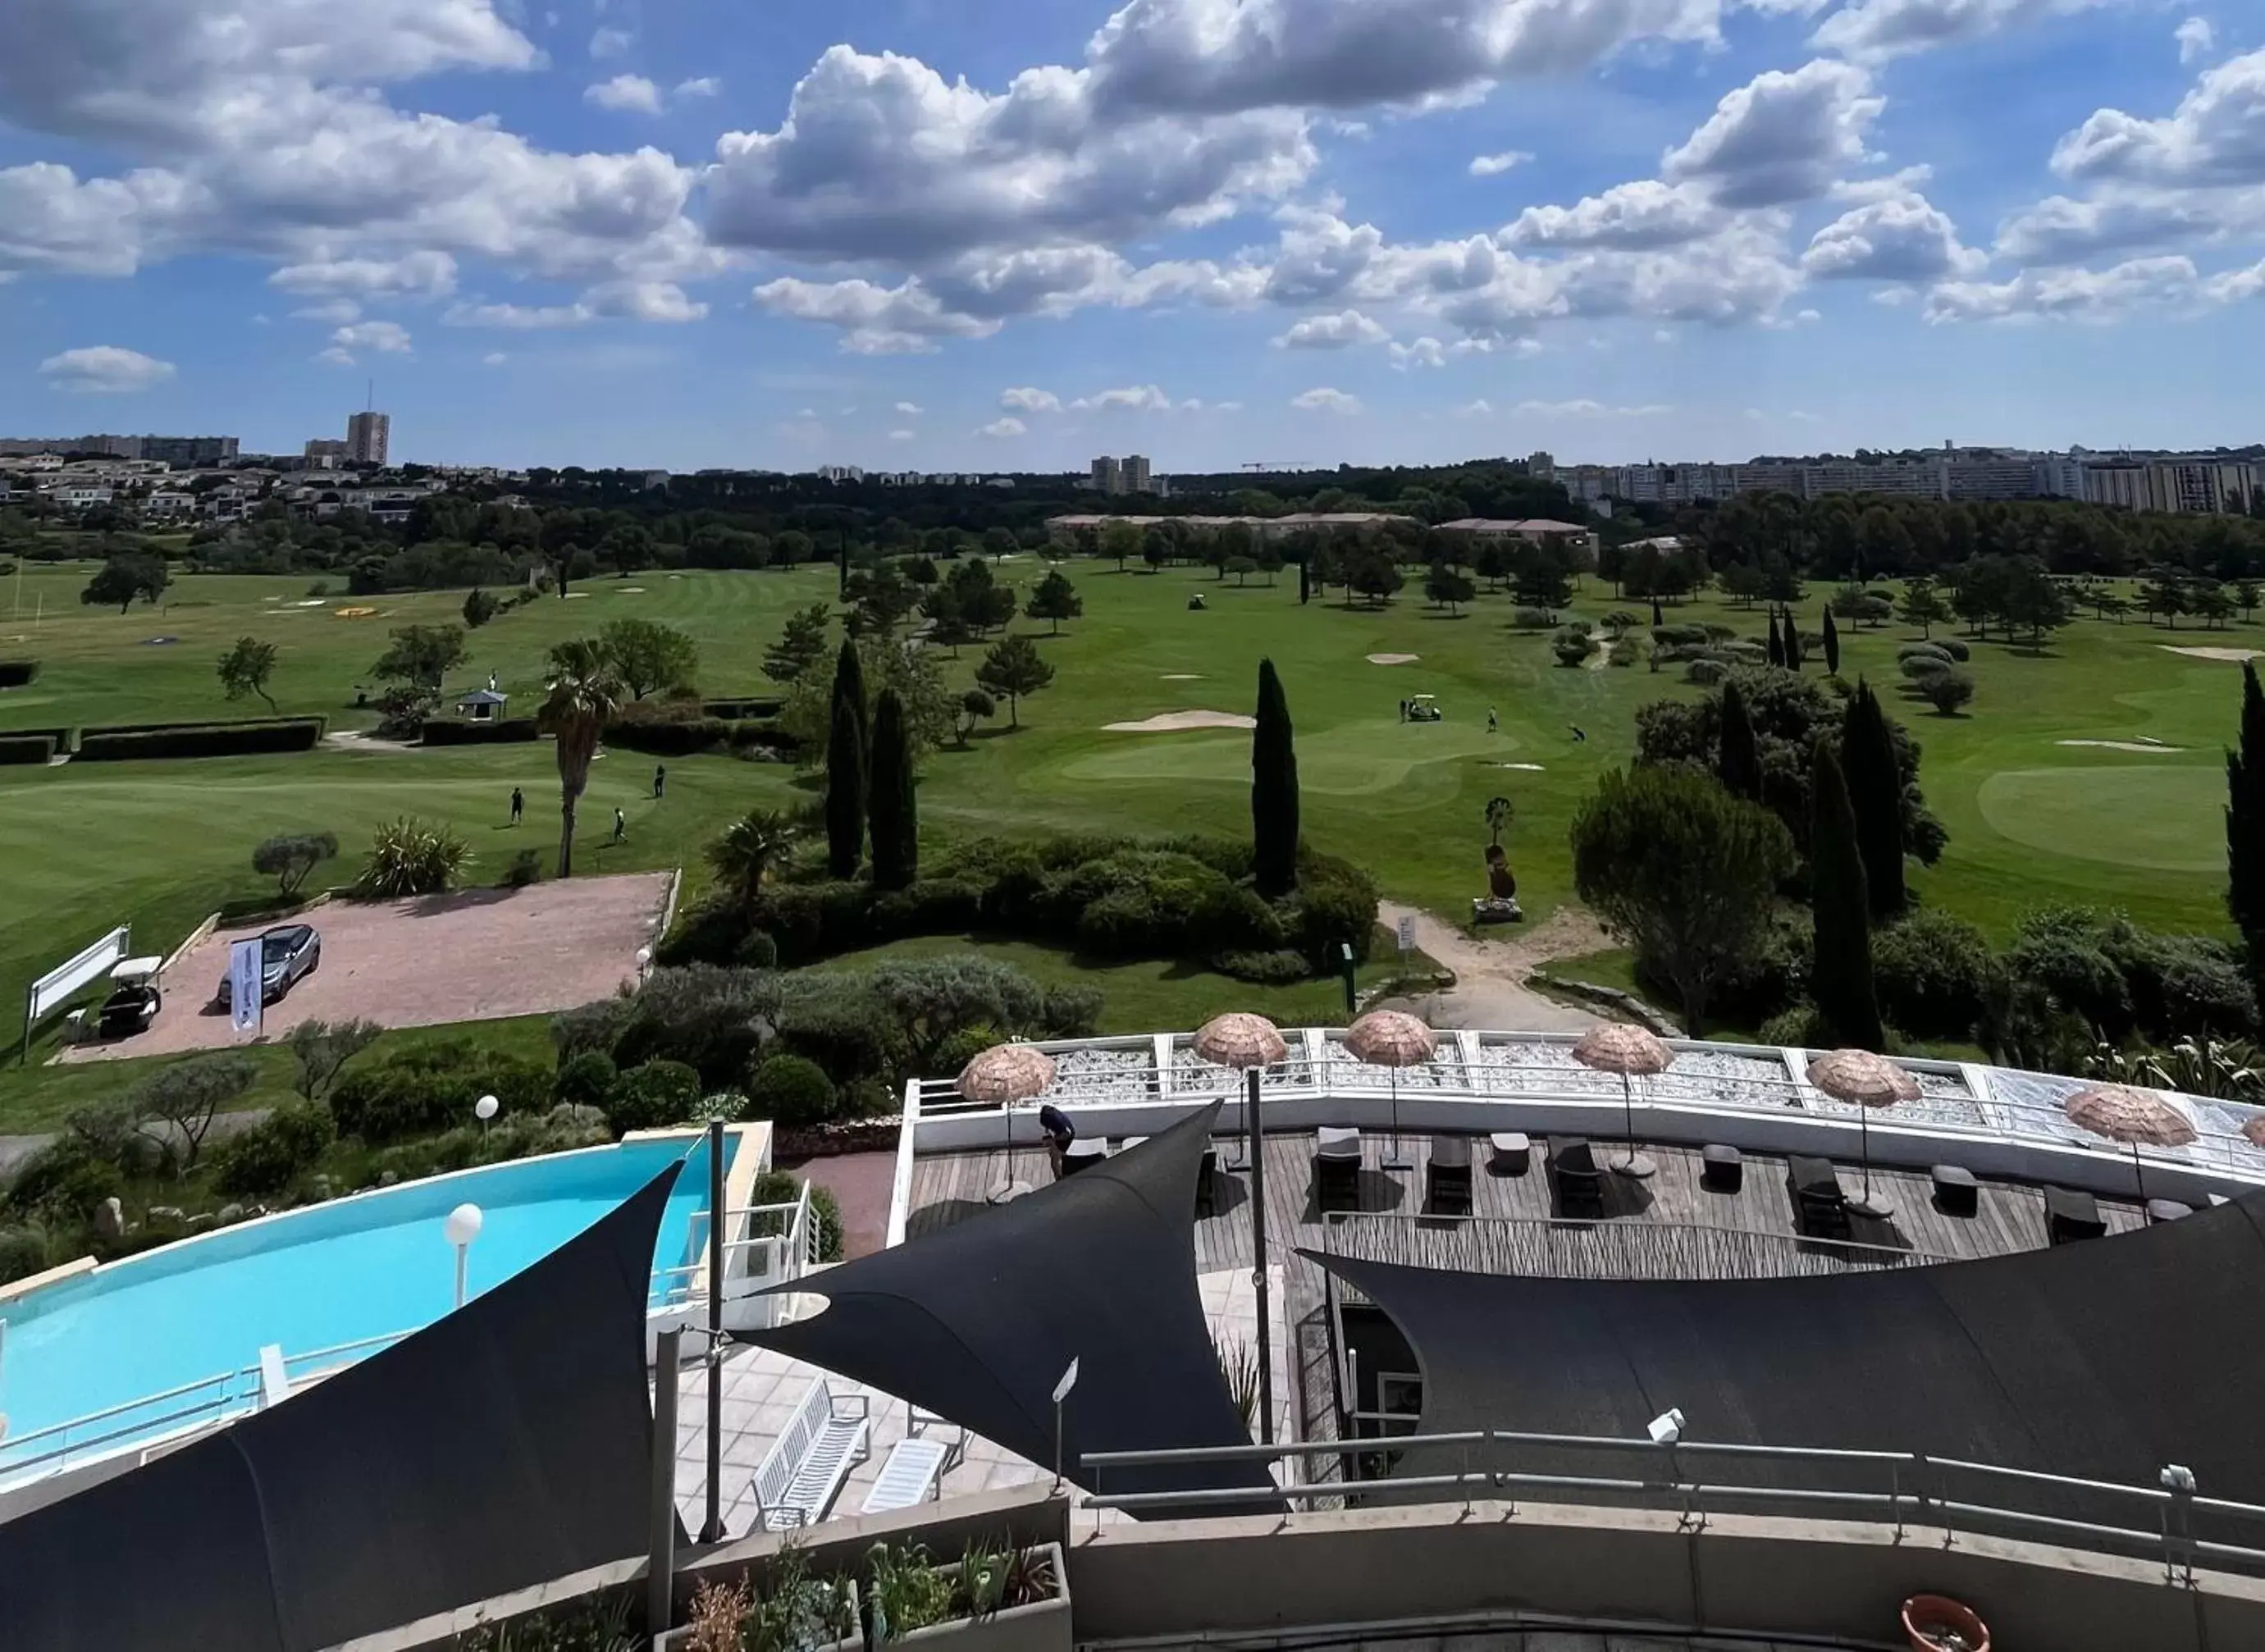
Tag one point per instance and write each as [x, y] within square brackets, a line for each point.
[1351, 760]
[2167, 819]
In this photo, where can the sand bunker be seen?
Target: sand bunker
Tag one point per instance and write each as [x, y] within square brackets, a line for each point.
[1173, 722]
[1394, 660]
[1182, 676]
[2124, 746]
[2231, 656]
[628, 590]
[1530, 767]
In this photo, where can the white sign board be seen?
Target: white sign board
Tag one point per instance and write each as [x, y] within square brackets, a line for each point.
[243, 988]
[1068, 1381]
[59, 984]
[1407, 935]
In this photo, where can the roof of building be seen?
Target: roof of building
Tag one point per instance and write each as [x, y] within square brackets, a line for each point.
[481, 696]
[1528, 526]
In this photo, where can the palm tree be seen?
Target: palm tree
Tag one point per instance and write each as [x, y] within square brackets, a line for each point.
[584, 695]
[749, 847]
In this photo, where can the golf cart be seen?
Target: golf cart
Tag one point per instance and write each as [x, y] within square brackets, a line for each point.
[1423, 707]
[134, 999]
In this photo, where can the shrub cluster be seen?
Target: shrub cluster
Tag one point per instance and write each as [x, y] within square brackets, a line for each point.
[652, 1096]
[194, 740]
[560, 1130]
[434, 1089]
[438, 732]
[274, 1152]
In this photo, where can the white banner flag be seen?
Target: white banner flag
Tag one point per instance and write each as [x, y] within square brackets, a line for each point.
[243, 988]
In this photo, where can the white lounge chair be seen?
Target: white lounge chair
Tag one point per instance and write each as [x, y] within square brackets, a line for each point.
[912, 1474]
[828, 1435]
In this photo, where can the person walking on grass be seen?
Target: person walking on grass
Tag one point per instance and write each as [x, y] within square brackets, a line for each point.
[1493, 723]
[621, 826]
[659, 780]
[518, 804]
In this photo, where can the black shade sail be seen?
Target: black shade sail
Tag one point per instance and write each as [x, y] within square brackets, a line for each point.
[977, 1323]
[505, 1445]
[2105, 1360]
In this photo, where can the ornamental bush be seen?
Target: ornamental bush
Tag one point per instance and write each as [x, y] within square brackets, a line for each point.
[651, 1096]
[1931, 972]
[791, 1091]
[273, 1153]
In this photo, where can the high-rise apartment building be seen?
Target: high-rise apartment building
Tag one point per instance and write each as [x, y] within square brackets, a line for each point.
[368, 436]
[1135, 469]
[325, 453]
[186, 452]
[1108, 476]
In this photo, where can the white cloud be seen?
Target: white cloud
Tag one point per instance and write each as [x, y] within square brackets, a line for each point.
[1644, 214]
[518, 317]
[1477, 409]
[875, 320]
[1495, 165]
[910, 410]
[2093, 295]
[53, 222]
[1004, 427]
[1876, 29]
[337, 356]
[2196, 39]
[426, 274]
[1582, 408]
[701, 86]
[1905, 239]
[330, 311]
[625, 93]
[1780, 137]
[1332, 332]
[624, 300]
[901, 436]
[389, 338]
[2215, 135]
[1422, 353]
[494, 359]
[1139, 398]
[103, 369]
[1025, 399]
[1321, 398]
[610, 42]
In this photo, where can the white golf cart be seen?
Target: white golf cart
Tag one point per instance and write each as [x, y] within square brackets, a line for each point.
[134, 999]
[1425, 708]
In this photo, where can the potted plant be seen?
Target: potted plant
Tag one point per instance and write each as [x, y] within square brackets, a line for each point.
[1935, 1623]
[998, 1598]
[792, 1612]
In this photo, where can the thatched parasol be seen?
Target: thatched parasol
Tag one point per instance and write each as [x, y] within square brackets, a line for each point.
[2254, 1128]
[1394, 1039]
[2138, 1117]
[1006, 1074]
[1864, 1081]
[1617, 1047]
[1238, 1039]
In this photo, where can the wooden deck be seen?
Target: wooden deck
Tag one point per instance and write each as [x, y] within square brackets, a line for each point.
[947, 1188]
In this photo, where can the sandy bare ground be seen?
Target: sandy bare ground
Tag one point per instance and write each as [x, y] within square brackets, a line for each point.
[2231, 656]
[2124, 745]
[476, 955]
[1394, 660]
[1183, 676]
[1174, 722]
[1491, 977]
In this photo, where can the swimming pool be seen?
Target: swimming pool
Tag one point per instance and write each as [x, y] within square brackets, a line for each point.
[352, 1272]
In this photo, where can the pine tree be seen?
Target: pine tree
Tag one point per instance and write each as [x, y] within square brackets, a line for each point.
[1776, 643]
[1305, 583]
[2244, 826]
[846, 749]
[1739, 764]
[1273, 789]
[1840, 977]
[1832, 644]
[895, 815]
[1876, 791]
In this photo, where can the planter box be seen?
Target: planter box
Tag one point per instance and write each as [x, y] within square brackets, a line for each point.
[1040, 1627]
[677, 1640]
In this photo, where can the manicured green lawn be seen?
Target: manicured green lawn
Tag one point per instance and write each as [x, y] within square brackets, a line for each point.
[2031, 820]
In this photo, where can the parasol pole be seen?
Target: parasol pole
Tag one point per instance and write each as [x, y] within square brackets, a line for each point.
[1258, 1268]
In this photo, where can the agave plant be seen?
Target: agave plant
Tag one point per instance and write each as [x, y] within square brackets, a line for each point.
[1238, 1363]
[408, 856]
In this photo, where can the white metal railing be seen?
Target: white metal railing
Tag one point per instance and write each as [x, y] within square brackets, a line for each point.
[1692, 1479]
[765, 1245]
[1960, 1099]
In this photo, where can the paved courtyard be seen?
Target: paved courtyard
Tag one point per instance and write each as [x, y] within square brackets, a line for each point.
[473, 955]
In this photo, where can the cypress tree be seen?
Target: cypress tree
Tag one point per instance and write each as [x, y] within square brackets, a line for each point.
[1876, 791]
[1792, 642]
[2244, 826]
[1305, 583]
[894, 812]
[1832, 644]
[1739, 764]
[1840, 978]
[846, 749]
[1657, 618]
[1776, 643]
[1273, 789]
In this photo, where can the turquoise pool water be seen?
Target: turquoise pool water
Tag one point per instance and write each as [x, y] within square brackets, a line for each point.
[312, 1279]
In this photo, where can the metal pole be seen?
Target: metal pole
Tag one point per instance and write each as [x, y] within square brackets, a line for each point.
[1258, 1267]
[711, 1530]
[1058, 1449]
[660, 1548]
[462, 1252]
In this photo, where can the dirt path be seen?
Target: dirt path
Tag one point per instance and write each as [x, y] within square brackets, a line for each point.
[1491, 977]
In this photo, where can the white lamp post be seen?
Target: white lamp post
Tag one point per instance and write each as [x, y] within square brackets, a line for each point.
[484, 1110]
[461, 1227]
[644, 961]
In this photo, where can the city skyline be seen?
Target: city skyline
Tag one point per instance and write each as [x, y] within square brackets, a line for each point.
[1294, 232]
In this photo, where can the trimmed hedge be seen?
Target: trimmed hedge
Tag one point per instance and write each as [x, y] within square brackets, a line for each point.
[220, 740]
[768, 706]
[27, 748]
[446, 732]
[678, 739]
[63, 737]
[16, 674]
[278, 721]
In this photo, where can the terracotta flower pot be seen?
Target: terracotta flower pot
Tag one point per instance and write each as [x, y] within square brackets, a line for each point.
[1931, 1620]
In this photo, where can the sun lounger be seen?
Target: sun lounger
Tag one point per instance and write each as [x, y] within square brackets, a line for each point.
[828, 1435]
[1337, 1168]
[1576, 1179]
[1820, 1207]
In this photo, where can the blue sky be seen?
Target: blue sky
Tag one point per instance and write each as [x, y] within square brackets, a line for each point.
[971, 234]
